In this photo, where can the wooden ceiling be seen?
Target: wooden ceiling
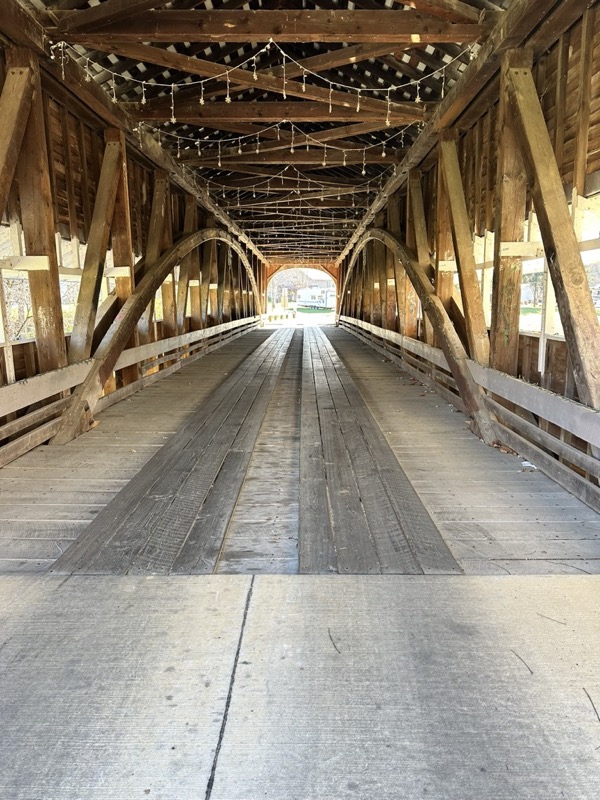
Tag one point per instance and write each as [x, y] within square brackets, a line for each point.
[292, 113]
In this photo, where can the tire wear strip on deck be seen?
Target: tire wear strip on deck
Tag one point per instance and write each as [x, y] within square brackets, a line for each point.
[416, 531]
[378, 522]
[143, 529]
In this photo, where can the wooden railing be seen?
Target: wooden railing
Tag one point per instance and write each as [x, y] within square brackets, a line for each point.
[32, 407]
[560, 436]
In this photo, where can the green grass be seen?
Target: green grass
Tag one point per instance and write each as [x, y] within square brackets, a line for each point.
[529, 310]
[314, 311]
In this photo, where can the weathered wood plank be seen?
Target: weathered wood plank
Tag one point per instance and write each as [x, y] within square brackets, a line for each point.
[316, 549]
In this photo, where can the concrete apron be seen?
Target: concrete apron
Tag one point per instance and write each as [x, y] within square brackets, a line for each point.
[299, 687]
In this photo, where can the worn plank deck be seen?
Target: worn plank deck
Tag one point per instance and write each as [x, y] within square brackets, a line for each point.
[296, 451]
[497, 516]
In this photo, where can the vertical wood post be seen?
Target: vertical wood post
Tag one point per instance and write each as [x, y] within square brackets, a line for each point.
[511, 197]
[189, 270]
[154, 245]
[37, 215]
[462, 238]
[122, 246]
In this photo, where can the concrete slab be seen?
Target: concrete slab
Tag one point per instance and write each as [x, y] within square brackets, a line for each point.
[114, 688]
[363, 687]
[386, 687]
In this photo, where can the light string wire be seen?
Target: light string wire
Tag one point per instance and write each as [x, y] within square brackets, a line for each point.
[236, 142]
[64, 47]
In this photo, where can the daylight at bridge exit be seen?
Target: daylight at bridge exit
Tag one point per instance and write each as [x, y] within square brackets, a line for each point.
[300, 399]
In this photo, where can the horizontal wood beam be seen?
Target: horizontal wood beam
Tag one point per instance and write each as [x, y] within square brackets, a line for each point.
[108, 13]
[405, 27]
[25, 263]
[274, 112]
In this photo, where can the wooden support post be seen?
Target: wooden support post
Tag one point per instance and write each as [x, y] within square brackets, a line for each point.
[377, 267]
[577, 312]
[235, 287]
[444, 251]
[80, 346]
[207, 254]
[154, 245]
[584, 95]
[168, 290]
[462, 238]
[367, 293]
[189, 269]
[15, 104]
[421, 245]
[213, 284]
[122, 247]
[560, 98]
[511, 197]
[35, 194]
[221, 272]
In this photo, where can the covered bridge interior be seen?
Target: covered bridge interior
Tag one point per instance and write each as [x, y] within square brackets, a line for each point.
[242, 558]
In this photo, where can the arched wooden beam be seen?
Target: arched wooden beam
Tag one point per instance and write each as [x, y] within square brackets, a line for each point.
[456, 355]
[115, 340]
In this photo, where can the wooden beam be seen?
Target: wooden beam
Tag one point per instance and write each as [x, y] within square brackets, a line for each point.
[584, 98]
[510, 198]
[306, 111]
[154, 243]
[108, 13]
[122, 249]
[80, 346]
[450, 10]
[331, 59]
[37, 217]
[573, 295]
[15, 104]
[189, 269]
[405, 27]
[462, 238]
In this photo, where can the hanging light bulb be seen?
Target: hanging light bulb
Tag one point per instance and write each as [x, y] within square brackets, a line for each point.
[173, 119]
[357, 100]
[364, 166]
[202, 93]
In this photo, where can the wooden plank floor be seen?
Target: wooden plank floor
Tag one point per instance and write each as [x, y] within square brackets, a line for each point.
[497, 516]
[284, 452]
[49, 496]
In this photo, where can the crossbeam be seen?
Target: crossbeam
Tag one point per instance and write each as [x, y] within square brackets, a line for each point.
[404, 27]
